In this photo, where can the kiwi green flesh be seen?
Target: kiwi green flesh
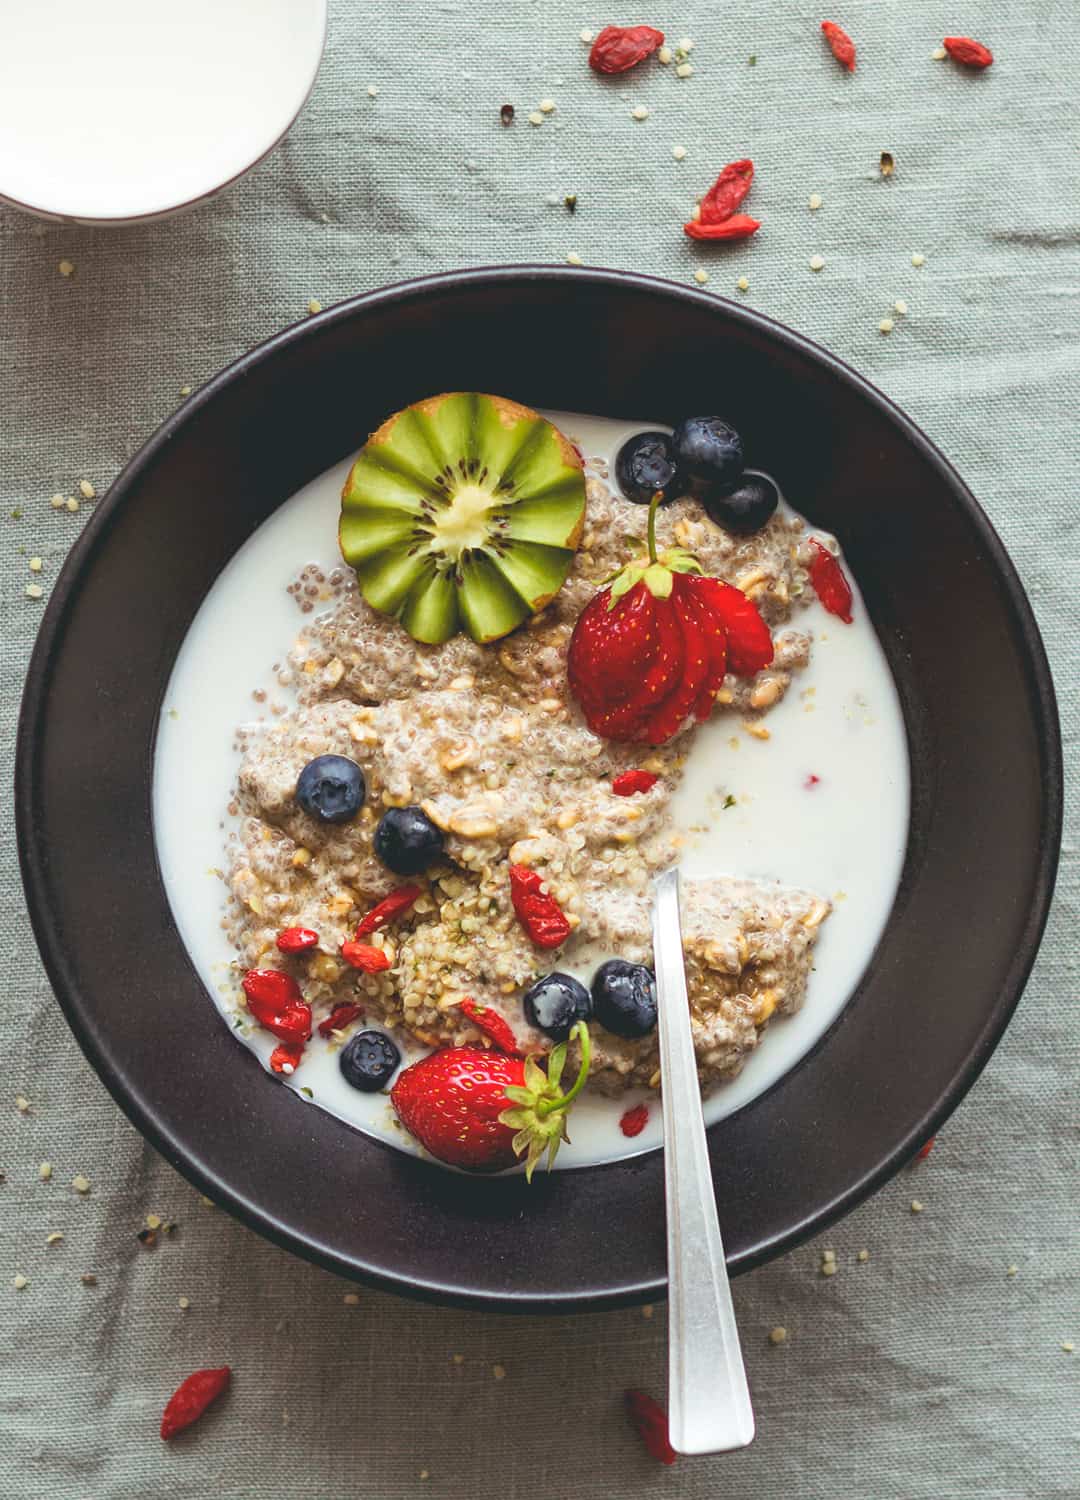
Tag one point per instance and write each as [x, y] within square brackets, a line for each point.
[490, 605]
[458, 519]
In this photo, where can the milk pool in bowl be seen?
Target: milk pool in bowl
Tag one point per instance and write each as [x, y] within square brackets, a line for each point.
[842, 836]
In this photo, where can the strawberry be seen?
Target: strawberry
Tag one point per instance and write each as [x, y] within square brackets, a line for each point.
[749, 644]
[482, 1110]
[656, 677]
[652, 648]
[621, 638]
[666, 720]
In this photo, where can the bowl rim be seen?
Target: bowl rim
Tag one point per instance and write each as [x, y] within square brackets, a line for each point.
[152, 214]
[32, 857]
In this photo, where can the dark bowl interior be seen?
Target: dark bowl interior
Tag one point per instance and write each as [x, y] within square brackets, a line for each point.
[945, 601]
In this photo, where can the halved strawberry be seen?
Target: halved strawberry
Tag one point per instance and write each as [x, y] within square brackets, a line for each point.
[641, 665]
[749, 641]
[610, 641]
[661, 678]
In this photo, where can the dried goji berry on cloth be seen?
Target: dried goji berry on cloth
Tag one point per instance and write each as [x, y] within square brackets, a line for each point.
[275, 1001]
[619, 48]
[540, 914]
[362, 956]
[629, 783]
[389, 909]
[339, 1018]
[738, 227]
[492, 1024]
[727, 192]
[840, 44]
[297, 939]
[964, 49]
[925, 1150]
[830, 585]
[649, 1420]
[191, 1398]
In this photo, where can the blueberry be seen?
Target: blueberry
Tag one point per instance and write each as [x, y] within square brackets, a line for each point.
[407, 841]
[748, 506]
[331, 789]
[710, 452]
[624, 996]
[368, 1061]
[646, 463]
[555, 1002]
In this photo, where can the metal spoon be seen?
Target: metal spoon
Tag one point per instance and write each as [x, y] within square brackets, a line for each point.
[709, 1407]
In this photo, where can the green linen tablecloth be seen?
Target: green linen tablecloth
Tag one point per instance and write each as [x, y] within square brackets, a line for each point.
[939, 1367]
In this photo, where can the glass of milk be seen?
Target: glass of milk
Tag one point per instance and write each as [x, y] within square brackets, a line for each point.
[122, 110]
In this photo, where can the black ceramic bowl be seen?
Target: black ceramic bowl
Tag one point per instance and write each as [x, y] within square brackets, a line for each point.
[962, 644]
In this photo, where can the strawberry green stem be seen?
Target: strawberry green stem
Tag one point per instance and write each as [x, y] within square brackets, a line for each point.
[654, 506]
[555, 1106]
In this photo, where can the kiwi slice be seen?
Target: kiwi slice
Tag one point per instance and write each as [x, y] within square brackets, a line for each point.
[463, 512]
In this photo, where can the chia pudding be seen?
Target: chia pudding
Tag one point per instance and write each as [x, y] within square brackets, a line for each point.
[488, 741]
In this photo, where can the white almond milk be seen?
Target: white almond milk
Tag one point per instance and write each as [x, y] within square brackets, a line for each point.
[842, 836]
[121, 108]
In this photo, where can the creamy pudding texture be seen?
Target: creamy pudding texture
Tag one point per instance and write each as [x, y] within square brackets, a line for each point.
[486, 739]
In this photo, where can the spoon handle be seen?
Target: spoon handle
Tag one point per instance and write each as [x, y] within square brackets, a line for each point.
[709, 1407]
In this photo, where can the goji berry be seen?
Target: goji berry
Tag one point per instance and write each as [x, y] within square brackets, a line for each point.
[738, 227]
[627, 783]
[339, 1017]
[191, 1398]
[275, 1001]
[286, 1057]
[924, 1151]
[297, 939]
[634, 1120]
[964, 49]
[539, 914]
[389, 909]
[649, 1420]
[490, 1022]
[619, 48]
[840, 44]
[361, 956]
[727, 192]
[811, 781]
[830, 585]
